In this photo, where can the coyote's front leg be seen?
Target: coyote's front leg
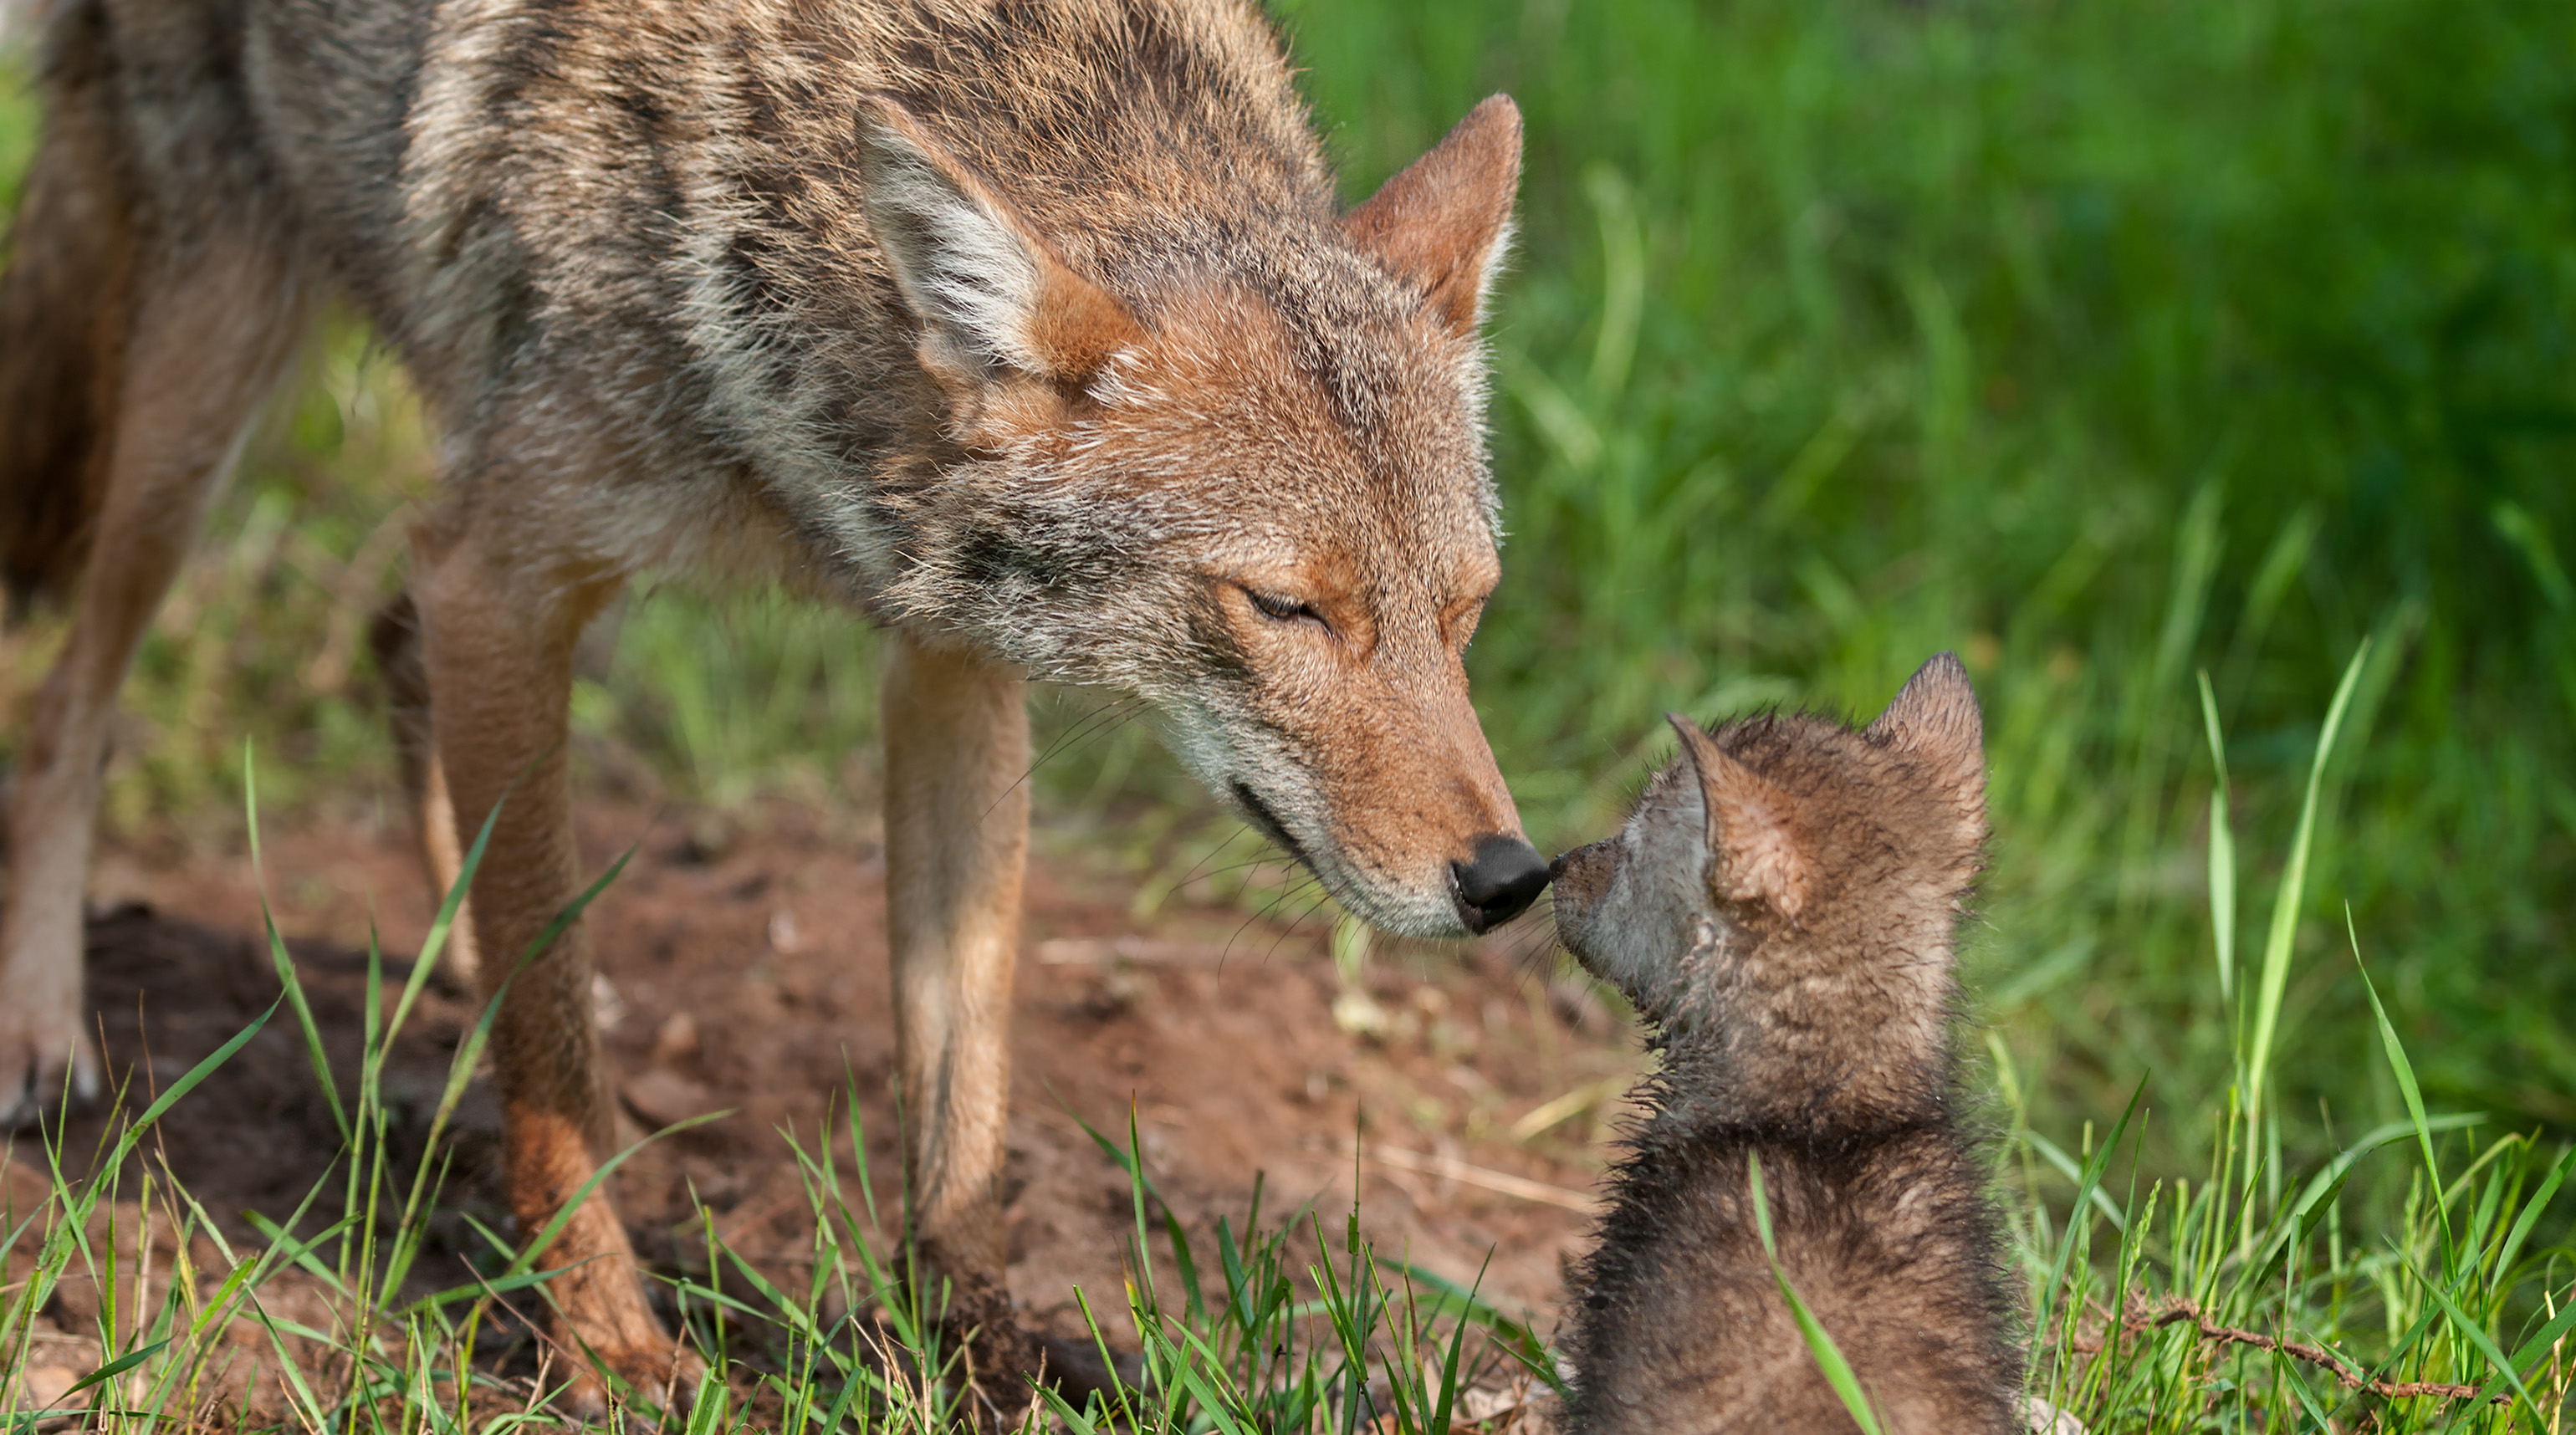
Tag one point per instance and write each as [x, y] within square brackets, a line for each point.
[957, 831]
[498, 624]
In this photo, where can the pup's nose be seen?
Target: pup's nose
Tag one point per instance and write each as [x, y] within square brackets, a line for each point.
[1506, 875]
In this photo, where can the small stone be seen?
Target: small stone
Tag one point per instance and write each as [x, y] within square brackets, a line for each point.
[607, 1008]
[785, 937]
[48, 1387]
[677, 1037]
[663, 1097]
[1358, 1013]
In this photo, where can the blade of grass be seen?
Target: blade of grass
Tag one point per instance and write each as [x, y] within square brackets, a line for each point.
[545, 1239]
[2404, 1071]
[2285, 911]
[2222, 849]
[2530, 1215]
[1828, 1356]
[2476, 1335]
[117, 1367]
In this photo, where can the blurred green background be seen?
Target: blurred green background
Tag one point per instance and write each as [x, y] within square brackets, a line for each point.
[2108, 344]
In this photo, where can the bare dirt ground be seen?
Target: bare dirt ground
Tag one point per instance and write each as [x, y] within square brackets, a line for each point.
[745, 970]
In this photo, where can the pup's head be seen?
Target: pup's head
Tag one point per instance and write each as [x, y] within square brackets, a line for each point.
[1792, 864]
[1237, 468]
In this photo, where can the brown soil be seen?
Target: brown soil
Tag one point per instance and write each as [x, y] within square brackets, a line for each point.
[745, 963]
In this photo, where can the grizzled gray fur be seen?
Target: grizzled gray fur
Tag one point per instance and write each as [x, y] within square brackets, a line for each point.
[1780, 908]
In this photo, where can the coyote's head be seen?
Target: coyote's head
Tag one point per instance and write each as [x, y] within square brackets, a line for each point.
[1231, 459]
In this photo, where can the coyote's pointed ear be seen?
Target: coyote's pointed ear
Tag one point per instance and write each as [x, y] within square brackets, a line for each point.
[1445, 222]
[1754, 851]
[1935, 720]
[990, 295]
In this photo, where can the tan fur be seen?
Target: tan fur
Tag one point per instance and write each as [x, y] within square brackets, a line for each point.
[71, 272]
[957, 819]
[394, 638]
[498, 650]
[179, 425]
[1780, 907]
[1034, 331]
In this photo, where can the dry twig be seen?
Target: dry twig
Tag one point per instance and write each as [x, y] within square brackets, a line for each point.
[2141, 1319]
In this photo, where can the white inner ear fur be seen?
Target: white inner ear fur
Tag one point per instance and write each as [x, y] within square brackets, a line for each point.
[965, 270]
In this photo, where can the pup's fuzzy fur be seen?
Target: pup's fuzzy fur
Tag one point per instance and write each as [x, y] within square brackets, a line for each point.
[1033, 329]
[1780, 907]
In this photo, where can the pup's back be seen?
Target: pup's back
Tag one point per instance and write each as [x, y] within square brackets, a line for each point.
[1780, 906]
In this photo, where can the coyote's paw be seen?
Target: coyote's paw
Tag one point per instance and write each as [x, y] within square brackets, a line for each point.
[1002, 1356]
[40, 1049]
[602, 1323]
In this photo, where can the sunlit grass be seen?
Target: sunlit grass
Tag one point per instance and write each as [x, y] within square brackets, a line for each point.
[2263, 1291]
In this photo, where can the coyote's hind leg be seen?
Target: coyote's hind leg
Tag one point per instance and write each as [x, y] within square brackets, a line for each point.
[500, 612]
[212, 328]
[394, 637]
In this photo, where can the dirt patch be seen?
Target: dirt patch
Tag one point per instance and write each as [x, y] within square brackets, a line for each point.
[745, 969]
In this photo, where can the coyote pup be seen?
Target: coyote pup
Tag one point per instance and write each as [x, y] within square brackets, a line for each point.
[1780, 907]
[1033, 329]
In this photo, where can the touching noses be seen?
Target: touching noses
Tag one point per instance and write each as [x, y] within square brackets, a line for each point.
[1498, 883]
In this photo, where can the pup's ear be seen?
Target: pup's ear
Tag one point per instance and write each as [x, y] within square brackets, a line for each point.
[1446, 221]
[1754, 851]
[992, 298]
[1934, 719]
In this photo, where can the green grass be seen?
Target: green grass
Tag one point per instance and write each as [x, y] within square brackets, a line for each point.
[2106, 344]
[2262, 1292]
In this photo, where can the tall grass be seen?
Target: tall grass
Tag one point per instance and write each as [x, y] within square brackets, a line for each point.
[2104, 343]
[2245, 1299]
[2265, 1291]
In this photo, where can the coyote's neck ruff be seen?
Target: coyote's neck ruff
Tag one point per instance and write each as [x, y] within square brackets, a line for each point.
[1780, 907]
[1035, 329]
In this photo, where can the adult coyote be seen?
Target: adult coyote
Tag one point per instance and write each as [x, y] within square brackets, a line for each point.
[1032, 330]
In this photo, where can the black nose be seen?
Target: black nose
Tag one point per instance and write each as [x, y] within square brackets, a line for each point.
[1505, 877]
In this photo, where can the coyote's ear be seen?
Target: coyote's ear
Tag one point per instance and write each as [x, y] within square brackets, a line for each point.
[1445, 222]
[990, 295]
[1935, 720]
[1754, 850]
